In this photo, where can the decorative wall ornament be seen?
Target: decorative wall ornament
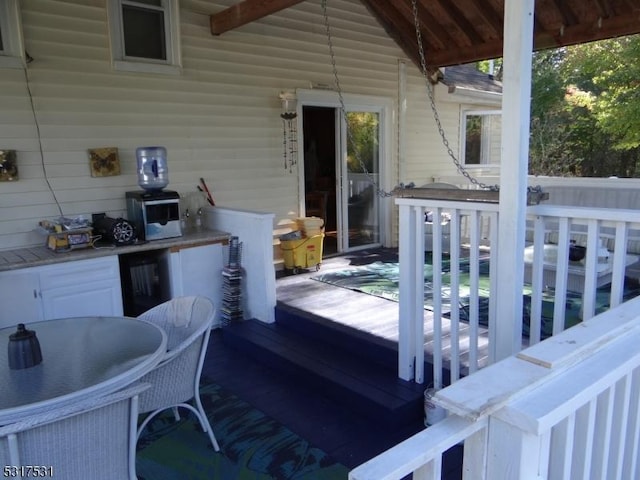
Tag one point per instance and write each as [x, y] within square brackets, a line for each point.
[104, 162]
[289, 129]
[8, 166]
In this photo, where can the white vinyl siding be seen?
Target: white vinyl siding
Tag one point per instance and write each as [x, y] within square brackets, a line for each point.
[219, 119]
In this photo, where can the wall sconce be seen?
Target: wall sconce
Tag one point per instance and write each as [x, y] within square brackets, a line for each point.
[289, 129]
[289, 103]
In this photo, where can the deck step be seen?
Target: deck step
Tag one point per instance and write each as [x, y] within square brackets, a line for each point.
[335, 371]
[377, 350]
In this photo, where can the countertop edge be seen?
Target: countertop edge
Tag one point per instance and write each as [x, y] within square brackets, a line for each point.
[41, 255]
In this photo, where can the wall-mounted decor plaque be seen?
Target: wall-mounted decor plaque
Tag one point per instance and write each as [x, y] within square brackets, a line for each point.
[104, 162]
[8, 166]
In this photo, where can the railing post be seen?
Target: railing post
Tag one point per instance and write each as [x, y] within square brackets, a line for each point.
[407, 291]
[513, 453]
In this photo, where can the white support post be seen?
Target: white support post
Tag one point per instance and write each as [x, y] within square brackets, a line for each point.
[518, 46]
[417, 311]
[406, 347]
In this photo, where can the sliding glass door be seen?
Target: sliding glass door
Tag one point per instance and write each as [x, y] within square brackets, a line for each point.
[347, 156]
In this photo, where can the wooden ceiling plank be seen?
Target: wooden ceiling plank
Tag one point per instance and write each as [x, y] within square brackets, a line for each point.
[606, 28]
[489, 16]
[245, 12]
[566, 12]
[433, 33]
[604, 8]
[457, 56]
[396, 26]
[462, 24]
[632, 5]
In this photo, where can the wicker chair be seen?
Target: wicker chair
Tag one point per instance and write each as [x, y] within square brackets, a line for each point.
[176, 380]
[94, 438]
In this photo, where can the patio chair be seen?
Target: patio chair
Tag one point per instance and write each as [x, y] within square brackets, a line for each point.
[94, 438]
[176, 380]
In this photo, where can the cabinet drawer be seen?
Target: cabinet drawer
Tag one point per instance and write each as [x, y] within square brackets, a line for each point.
[80, 271]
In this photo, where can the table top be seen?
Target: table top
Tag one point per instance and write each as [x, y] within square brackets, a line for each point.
[81, 357]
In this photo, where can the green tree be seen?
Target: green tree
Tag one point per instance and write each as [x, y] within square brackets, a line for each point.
[550, 148]
[585, 115]
[363, 141]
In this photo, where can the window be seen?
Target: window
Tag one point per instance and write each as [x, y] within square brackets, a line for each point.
[481, 142]
[144, 35]
[11, 48]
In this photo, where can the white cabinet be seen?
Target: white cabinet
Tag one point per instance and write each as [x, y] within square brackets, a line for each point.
[197, 270]
[20, 297]
[69, 289]
[81, 288]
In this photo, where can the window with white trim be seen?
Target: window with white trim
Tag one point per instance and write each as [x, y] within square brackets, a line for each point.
[11, 45]
[145, 35]
[481, 139]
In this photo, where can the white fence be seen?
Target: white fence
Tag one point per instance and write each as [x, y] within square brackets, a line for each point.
[565, 408]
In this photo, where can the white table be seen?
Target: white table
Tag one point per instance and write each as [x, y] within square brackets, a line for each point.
[81, 357]
[575, 270]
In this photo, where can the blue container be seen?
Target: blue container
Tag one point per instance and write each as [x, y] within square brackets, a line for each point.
[153, 173]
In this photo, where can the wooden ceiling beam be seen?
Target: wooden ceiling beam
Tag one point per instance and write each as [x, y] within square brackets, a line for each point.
[245, 12]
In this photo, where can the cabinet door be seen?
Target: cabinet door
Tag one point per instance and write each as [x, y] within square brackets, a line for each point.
[82, 288]
[198, 271]
[20, 297]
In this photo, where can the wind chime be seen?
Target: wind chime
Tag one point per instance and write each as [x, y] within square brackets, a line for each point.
[289, 130]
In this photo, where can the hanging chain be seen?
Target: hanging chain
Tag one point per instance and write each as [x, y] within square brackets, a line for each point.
[379, 191]
[436, 115]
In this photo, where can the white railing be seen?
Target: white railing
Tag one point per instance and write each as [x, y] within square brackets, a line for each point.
[550, 279]
[468, 223]
[565, 408]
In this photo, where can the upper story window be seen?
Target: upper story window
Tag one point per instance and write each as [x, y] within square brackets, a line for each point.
[145, 35]
[11, 45]
[481, 142]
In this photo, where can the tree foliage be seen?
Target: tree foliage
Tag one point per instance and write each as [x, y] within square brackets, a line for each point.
[585, 110]
[363, 142]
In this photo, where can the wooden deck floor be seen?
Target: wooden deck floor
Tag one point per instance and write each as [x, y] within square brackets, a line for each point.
[363, 312]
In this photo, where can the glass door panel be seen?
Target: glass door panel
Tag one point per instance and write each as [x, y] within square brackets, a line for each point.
[360, 174]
